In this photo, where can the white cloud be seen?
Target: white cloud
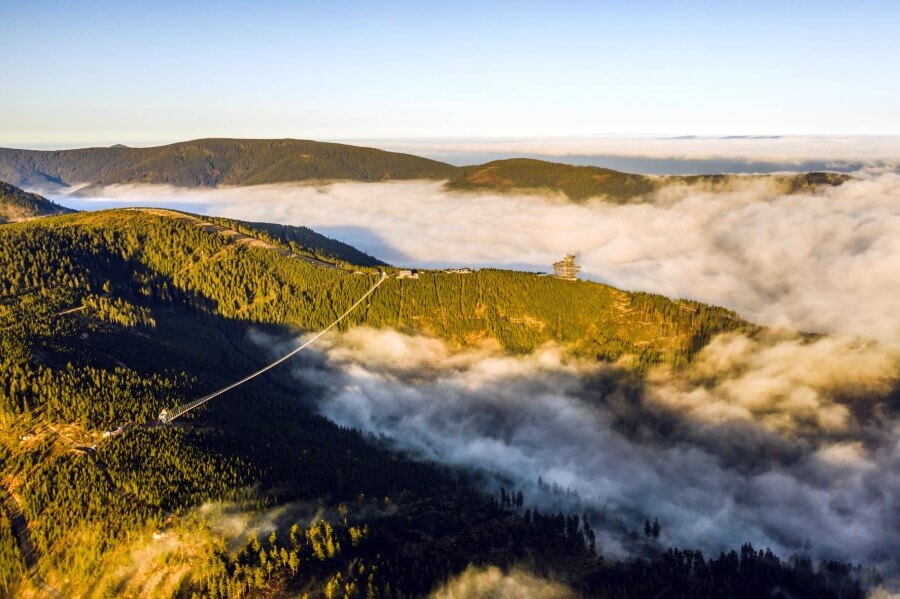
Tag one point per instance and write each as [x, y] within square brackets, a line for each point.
[778, 442]
[493, 583]
[772, 440]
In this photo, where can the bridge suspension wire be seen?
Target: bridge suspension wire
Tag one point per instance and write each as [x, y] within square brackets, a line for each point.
[167, 416]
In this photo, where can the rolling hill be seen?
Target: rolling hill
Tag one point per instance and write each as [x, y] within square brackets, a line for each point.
[577, 182]
[214, 162]
[16, 205]
[582, 183]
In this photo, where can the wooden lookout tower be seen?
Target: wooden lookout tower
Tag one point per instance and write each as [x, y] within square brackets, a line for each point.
[566, 268]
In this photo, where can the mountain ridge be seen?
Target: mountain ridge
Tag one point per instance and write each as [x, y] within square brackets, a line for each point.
[519, 310]
[212, 162]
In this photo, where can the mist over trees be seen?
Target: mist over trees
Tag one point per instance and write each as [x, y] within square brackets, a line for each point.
[162, 309]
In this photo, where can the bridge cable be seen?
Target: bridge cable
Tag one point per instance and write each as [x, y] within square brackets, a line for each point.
[166, 417]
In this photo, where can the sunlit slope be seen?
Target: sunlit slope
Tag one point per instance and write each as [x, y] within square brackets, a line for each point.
[107, 515]
[160, 254]
[16, 204]
[114, 515]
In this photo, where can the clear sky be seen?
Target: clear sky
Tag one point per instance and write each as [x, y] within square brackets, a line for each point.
[146, 72]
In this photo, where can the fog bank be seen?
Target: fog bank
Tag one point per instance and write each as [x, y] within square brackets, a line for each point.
[750, 444]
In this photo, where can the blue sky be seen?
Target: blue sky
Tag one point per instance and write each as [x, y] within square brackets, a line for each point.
[106, 72]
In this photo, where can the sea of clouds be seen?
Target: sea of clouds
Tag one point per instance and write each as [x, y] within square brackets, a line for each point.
[781, 440]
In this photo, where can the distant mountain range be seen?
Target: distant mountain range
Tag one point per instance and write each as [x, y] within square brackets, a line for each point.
[581, 183]
[16, 205]
[214, 162]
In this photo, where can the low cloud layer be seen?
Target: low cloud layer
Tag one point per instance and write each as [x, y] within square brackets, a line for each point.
[493, 583]
[788, 386]
[828, 261]
[770, 441]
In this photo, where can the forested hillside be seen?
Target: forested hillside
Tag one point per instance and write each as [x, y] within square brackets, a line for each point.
[214, 162]
[211, 162]
[153, 254]
[16, 204]
[581, 183]
[108, 317]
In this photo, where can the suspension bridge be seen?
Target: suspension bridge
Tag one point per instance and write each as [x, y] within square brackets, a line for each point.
[167, 416]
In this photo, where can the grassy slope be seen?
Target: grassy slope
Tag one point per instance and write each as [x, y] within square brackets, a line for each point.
[16, 204]
[211, 162]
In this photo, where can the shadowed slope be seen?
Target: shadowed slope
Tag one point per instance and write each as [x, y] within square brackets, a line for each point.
[16, 204]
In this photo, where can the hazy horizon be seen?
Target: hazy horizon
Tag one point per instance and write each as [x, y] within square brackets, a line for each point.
[644, 154]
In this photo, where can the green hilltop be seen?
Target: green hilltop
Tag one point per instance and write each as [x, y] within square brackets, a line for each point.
[214, 162]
